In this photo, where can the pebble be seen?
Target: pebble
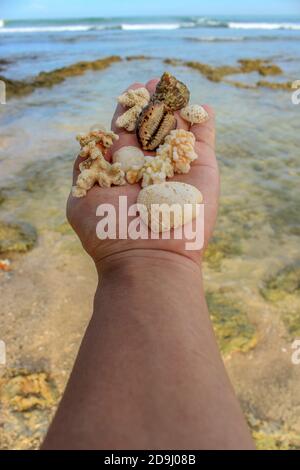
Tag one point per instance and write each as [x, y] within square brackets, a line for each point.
[167, 194]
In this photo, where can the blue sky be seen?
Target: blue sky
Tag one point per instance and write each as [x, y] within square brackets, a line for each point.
[21, 9]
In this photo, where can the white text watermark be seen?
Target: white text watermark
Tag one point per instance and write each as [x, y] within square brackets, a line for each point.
[296, 354]
[296, 93]
[2, 353]
[2, 92]
[131, 222]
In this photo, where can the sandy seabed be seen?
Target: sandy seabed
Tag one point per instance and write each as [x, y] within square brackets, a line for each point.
[251, 270]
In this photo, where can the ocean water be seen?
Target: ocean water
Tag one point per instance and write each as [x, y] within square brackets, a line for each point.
[29, 47]
[32, 46]
[258, 142]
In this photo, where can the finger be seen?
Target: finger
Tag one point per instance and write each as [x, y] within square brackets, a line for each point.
[205, 133]
[151, 85]
[76, 170]
[120, 110]
[181, 123]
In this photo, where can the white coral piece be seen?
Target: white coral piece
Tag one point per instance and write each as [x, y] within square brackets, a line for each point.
[104, 140]
[138, 97]
[155, 170]
[95, 169]
[128, 120]
[135, 100]
[179, 149]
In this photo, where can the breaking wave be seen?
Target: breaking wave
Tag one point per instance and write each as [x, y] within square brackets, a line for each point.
[85, 25]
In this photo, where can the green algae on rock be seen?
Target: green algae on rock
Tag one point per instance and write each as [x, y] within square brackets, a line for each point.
[16, 237]
[271, 435]
[214, 74]
[285, 281]
[217, 74]
[237, 84]
[233, 329]
[221, 246]
[16, 88]
[276, 440]
[130, 58]
[275, 85]
[291, 320]
[262, 66]
[27, 400]
[22, 390]
[2, 198]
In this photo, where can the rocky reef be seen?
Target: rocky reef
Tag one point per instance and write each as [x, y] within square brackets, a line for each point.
[219, 73]
[285, 281]
[231, 324]
[16, 237]
[17, 88]
[27, 401]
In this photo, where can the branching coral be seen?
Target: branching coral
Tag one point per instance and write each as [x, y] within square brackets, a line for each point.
[155, 170]
[135, 100]
[95, 169]
[174, 156]
[179, 149]
[103, 139]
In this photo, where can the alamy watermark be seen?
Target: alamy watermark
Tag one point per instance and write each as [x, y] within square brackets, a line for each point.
[296, 93]
[296, 354]
[2, 92]
[2, 353]
[124, 222]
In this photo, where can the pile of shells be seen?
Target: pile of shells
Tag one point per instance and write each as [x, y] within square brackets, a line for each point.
[153, 119]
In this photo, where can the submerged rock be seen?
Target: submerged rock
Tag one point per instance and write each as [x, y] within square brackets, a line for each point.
[231, 324]
[291, 321]
[222, 246]
[2, 198]
[218, 74]
[16, 237]
[15, 88]
[275, 85]
[263, 67]
[285, 281]
[270, 435]
[23, 390]
[27, 401]
[138, 57]
[214, 74]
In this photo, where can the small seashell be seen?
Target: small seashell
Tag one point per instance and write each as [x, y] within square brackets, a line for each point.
[172, 92]
[130, 158]
[154, 124]
[194, 113]
[155, 203]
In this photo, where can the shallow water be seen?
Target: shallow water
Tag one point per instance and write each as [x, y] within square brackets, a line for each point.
[258, 227]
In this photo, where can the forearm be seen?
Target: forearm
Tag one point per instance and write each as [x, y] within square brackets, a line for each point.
[149, 374]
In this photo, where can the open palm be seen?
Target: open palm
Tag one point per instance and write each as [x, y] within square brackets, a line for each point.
[204, 175]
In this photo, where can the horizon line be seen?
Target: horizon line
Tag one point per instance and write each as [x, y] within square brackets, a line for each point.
[153, 16]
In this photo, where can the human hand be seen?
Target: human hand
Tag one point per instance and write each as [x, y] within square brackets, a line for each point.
[204, 175]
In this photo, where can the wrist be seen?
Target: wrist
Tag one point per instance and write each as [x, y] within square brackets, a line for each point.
[152, 284]
[131, 261]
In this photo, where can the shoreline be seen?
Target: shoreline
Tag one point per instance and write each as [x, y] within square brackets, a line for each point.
[216, 74]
